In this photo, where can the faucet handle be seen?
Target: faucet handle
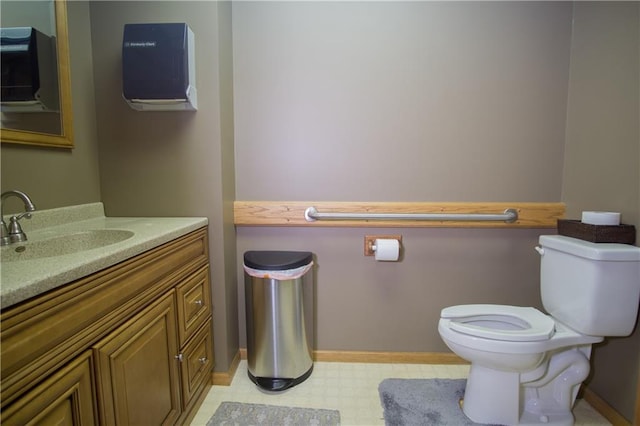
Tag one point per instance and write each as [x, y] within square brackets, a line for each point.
[26, 214]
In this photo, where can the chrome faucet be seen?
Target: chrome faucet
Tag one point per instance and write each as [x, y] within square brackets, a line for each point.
[14, 233]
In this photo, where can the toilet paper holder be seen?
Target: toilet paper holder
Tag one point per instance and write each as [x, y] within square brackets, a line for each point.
[370, 240]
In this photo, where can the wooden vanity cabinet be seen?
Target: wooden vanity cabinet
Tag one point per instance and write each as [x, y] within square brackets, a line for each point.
[129, 345]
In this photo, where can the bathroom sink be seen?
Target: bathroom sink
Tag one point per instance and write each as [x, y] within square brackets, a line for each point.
[64, 244]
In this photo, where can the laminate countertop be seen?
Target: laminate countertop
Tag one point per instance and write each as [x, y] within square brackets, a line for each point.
[25, 278]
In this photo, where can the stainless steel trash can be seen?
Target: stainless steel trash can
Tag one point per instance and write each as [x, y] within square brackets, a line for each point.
[279, 317]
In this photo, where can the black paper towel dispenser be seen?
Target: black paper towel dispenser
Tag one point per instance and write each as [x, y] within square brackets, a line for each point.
[158, 67]
[29, 71]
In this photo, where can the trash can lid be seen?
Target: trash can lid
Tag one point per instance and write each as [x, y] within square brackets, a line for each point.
[277, 260]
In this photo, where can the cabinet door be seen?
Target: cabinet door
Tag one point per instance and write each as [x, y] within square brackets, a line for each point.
[137, 370]
[65, 398]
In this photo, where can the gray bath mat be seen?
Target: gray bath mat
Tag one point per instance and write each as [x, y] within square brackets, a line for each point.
[241, 414]
[433, 402]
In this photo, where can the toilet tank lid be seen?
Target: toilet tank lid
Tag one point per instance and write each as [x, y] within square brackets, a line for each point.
[589, 250]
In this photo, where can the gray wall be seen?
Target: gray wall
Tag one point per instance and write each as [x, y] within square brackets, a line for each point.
[602, 155]
[412, 101]
[384, 101]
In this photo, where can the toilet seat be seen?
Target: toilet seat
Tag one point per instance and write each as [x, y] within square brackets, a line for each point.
[517, 323]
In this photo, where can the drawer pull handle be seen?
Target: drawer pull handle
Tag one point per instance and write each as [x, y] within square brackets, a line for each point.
[198, 302]
[203, 360]
[179, 357]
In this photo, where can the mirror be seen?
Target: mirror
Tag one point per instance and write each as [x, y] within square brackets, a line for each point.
[52, 128]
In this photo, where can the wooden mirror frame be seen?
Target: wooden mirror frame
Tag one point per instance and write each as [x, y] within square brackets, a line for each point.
[64, 140]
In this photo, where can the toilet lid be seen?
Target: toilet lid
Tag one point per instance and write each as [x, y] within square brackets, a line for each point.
[510, 323]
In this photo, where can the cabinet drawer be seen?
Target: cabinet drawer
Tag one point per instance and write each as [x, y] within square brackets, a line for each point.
[194, 303]
[196, 365]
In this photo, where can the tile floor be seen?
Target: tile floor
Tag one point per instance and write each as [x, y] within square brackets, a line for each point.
[351, 388]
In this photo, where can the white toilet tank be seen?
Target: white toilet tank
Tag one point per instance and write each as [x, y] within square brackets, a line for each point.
[594, 288]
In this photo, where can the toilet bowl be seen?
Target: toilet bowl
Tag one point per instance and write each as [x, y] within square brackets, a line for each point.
[527, 366]
[510, 349]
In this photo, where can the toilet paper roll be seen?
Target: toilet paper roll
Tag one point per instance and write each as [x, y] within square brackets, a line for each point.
[387, 250]
[601, 218]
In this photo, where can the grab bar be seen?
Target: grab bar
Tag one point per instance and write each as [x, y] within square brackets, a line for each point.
[509, 216]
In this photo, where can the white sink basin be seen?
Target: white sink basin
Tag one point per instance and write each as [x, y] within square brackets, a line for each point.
[65, 244]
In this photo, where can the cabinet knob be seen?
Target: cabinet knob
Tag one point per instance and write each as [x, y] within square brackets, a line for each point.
[198, 302]
[203, 360]
[179, 357]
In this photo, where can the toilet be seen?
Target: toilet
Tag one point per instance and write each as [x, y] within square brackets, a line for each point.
[527, 366]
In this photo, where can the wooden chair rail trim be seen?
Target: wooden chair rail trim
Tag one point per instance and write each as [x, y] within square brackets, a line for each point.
[291, 213]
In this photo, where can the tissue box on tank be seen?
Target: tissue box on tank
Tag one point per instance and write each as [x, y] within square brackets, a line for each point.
[622, 234]
[158, 67]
